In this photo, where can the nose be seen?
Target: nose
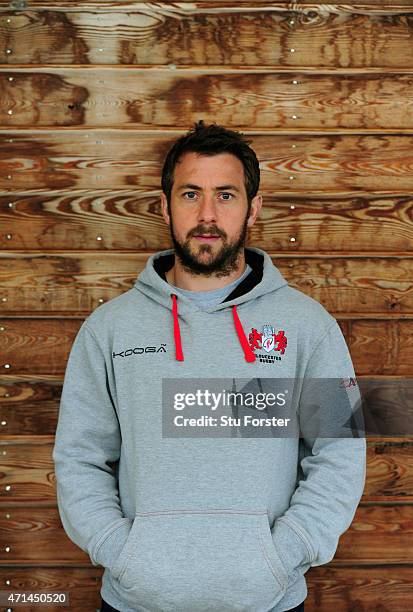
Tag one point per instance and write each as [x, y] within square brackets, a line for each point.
[207, 209]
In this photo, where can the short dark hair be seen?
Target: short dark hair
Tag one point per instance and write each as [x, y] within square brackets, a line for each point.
[211, 140]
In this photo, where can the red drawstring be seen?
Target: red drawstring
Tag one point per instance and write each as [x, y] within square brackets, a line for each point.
[248, 352]
[179, 356]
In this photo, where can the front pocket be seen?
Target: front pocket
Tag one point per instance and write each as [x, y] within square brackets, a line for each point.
[201, 560]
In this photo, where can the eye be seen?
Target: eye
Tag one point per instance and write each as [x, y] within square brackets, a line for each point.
[226, 193]
[186, 192]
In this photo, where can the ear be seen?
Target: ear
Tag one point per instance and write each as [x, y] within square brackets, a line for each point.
[164, 208]
[256, 204]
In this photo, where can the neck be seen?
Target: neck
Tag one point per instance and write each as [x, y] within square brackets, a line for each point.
[182, 278]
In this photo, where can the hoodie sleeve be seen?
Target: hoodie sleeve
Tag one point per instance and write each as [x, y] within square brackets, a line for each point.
[87, 438]
[324, 503]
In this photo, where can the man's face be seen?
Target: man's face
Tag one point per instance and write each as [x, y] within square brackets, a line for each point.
[209, 214]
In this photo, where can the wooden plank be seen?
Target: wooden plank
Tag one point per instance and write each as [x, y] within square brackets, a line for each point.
[361, 589]
[375, 6]
[319, 164]
[378, 534]
[52, 282]
[36, 536]
[82, 583]
[40, 346]
[28, 470]
[341, 36]
[27, 465]
[29, 407]
[371, 4]
[379, 347]
[127, 220]
[133, 97]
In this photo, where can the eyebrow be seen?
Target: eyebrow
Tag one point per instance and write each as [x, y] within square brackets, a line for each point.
[221, 187]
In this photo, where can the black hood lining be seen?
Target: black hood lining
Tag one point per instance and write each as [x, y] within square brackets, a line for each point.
[165, 262]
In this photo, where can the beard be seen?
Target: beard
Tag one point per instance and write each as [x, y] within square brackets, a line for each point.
[222, 263]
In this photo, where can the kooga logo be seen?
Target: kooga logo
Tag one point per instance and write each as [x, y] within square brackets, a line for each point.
[139, 350]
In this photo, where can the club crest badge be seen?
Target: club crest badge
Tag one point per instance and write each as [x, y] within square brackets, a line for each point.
[268, 340]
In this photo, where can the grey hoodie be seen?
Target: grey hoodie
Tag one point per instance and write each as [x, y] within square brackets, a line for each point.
[194, 524]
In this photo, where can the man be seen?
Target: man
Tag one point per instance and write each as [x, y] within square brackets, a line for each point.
[203, 522]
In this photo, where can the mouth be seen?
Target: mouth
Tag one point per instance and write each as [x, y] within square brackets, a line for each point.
[207, 237]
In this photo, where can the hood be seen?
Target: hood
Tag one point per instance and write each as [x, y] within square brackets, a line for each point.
[265, 278]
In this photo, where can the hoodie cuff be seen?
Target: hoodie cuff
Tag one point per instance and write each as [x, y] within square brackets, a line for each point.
[291, 547]
[108, 551]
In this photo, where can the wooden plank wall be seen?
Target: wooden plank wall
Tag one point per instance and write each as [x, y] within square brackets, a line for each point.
[92, 94]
